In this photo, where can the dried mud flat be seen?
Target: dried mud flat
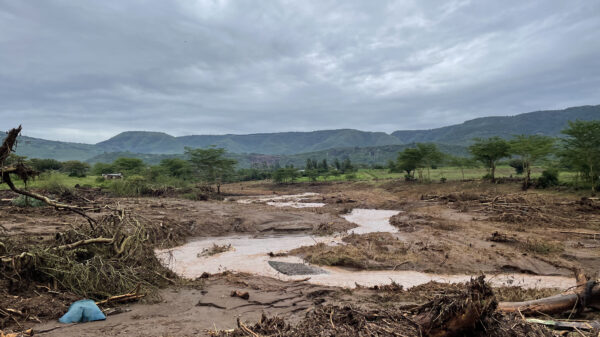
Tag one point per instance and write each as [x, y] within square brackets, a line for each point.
[457, 228]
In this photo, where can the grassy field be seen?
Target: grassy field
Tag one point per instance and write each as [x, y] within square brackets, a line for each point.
[450, 173]
[64, 179]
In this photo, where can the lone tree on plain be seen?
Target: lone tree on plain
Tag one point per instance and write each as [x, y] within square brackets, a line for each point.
[531, 149]
[425, 155]
[582, 149]
[489, 151]
[210, 165]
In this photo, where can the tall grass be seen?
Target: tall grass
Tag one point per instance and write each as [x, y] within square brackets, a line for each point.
[54, 183]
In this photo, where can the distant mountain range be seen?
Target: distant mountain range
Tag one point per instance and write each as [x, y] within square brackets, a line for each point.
[293, 147]
[265, 143]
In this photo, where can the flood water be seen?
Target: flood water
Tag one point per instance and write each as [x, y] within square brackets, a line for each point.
[251, 255]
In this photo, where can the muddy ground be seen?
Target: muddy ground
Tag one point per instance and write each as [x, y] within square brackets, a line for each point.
[456, 227]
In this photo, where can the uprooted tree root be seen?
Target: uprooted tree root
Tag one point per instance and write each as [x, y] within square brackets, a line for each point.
[466, 311]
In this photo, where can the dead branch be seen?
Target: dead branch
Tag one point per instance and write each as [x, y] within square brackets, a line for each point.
[85, 242]
[9, 143]
[121, 298]
[586, 295]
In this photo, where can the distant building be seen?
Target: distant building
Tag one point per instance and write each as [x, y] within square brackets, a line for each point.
[110, 176]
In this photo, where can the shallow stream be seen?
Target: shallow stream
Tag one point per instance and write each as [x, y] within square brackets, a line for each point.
[250, 254]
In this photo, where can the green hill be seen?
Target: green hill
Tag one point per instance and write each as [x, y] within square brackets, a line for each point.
[41, 148]
[359, 155]
[548, 123]
[267, 143]
[295, 147]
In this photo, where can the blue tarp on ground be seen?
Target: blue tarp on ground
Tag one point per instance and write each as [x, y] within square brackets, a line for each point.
[83, 311]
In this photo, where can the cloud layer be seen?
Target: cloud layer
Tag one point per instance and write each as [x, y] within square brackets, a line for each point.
[86, 70]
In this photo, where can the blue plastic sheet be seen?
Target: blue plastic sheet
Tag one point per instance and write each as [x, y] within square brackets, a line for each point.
[83, 311]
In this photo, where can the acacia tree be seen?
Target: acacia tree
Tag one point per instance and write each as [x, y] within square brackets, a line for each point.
[424, 156]
[531, 149]
[430, 156]
[408, 161]
[210, 165]
[582, 149]
[489, 151]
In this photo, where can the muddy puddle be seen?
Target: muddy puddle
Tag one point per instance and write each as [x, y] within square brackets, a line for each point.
[252, 254]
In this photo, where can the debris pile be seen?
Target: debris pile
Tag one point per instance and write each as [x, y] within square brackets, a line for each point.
[468, 310]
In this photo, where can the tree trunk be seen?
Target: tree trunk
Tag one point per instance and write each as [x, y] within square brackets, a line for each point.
[587, 293]
[462, 170]
[493, 172]
[527, 176]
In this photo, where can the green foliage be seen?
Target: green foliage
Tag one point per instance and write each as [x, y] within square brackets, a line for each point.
[549, 178]
[128, 166]
[423, 156]
[43, 165]
[489, 151]
[75, 168]
[253, 174]
[285, 175]
[350, 176]
[103, 168]
[462, 163]
[211, 166]
[132, 186]
[54, 183]
[24, 201]
[581, 149]
[176, 167]
[518, 165]
[531, 149]
[14, 159]
[312, 174]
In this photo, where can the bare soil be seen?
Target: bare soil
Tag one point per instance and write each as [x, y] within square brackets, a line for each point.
[467, 227]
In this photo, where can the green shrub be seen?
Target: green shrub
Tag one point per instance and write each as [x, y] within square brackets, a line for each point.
[23, 201]
[518, 165]
[350, 176]
[100, 180]
[549, 178]
[133, 186]
[53, 183]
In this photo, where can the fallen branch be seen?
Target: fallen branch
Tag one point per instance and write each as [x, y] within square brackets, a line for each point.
[121, 298]
[24, 172]
[85, 242]
[588, 296]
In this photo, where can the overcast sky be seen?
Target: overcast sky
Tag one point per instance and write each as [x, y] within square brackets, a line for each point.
[86, 70]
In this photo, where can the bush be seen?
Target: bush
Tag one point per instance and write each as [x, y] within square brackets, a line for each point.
[133, 186]
[54, 183]
[350, 176]
[23, 201]
[549, 178]
[518, 165]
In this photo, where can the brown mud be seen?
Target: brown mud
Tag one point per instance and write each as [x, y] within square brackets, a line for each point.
[457, 227]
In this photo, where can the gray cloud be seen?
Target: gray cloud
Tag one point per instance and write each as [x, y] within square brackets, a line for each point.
[86, 70]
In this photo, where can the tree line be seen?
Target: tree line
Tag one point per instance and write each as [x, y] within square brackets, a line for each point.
[578, 151]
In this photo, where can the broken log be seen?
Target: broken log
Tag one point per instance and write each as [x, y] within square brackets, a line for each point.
[588, 296]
